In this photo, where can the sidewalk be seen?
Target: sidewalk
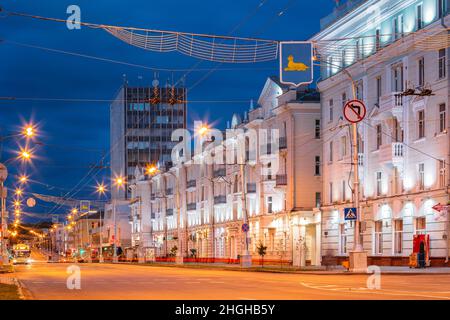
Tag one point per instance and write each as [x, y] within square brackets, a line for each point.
[289, 269]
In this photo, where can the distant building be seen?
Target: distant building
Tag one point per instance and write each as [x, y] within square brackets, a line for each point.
[142, 120]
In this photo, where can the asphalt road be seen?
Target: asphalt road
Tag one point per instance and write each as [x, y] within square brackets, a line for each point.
[107, 281]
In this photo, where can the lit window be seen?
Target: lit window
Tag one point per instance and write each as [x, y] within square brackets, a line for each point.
[442, 59]
[420, 225]
[442, 118]
[419, 16]
[421, 124]
[379, 183]
[421, 176]
[398, 236]
[379, 237]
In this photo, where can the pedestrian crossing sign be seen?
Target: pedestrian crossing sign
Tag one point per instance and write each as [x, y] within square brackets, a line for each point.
[350, 214]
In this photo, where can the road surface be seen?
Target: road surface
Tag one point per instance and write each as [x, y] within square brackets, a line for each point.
[119, 281]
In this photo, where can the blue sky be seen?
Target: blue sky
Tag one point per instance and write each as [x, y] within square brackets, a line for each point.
[76, 133]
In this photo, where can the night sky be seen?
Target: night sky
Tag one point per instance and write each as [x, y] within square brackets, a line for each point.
[74, 134]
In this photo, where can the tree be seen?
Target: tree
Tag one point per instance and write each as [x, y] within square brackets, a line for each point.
[173, 251]
[262, 250]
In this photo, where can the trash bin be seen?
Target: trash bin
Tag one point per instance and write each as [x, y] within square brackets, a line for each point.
[413, 260]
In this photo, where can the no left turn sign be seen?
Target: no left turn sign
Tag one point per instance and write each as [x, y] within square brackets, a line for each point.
[354, 111]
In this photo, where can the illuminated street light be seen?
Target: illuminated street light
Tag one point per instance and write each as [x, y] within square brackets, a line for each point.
[29, 131]
[74, 211]
[151, 170]
[101, 189]
[17, 203]
[17, 211]
[119, 181]
[19, 192]
[23, 179]
[25, 155]
[203, 130]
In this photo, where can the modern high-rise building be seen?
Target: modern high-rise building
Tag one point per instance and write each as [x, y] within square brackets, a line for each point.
[142, 120]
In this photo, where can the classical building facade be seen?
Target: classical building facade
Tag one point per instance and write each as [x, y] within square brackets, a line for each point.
[196, 209]
[396, 54]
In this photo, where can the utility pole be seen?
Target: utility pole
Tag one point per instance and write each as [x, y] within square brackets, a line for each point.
[4, 251]
[246, 258]
[115, 259]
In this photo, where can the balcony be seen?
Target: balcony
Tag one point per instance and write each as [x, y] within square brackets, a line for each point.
[192, 206]
[169, 191]
[392, 102]
[251, 187]
[221, 172]
[282, 144]
[220, 199]
[392, 153]
[169, 212]
[191, 183]
[281, 180]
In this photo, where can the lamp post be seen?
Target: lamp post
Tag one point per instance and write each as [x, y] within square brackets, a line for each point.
[101, 190]
[119, 181]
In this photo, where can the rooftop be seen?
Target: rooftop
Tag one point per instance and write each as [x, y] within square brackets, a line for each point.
[340, 11]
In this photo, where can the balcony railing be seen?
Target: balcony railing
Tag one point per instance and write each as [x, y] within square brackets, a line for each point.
[221, 172]
[397, 149]
[281, 180]
[192, 206]
[251, 187]
[191, 183]
[282, 144]
[220, 199]
[169, 212]
[393, 153]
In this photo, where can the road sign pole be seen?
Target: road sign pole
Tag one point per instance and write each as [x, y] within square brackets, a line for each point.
[358, 257]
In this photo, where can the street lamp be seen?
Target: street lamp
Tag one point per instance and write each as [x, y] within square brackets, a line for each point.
[3, 176]
[151, 170]
[25, 155]
[29, 131]
[23, 179]
[18, 192]
[101, 190]
[119, 182]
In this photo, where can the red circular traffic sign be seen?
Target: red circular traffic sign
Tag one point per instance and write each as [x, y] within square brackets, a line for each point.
[354, 111]
[245, 227]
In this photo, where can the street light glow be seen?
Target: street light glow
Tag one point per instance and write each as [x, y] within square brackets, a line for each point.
[23, 179]
[151, 170]
[25, 155]
[119, 181]
[203, 130]
[74, 211]
[101, 189]
[29, 131]
[18, 191]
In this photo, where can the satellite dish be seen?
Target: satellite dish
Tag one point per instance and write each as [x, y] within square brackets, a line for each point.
[31, 202]
[155, 83]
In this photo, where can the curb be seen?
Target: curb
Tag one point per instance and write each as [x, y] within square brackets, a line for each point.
[346, 273]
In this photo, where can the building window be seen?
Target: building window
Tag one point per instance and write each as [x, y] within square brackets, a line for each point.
[379, 237]
[344, 187]
[442, 118]
[397, 78]
[318, 199]
[379, 92]
[331, 192]
[331, 152]
[343, 146]
[343, 55]
[421, 176]
[360, 90]
[343, 238]
[442, 173]
[442, 8]
[379, 183]
[398, 27]
[421, 124]
[317, 166]
[398, 236]
[421, 70]
[442, 63]
[330, 105]
[421, 224]
[379, 136]
[419, 16]
[269, 204]
[377, 40]
[344, 99]
[317, 129]
[330, 66]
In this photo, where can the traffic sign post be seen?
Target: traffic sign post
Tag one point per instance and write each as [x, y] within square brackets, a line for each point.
[245, 227]
[350, 214]
[354, 111]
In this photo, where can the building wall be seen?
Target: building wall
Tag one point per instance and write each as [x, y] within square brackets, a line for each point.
[207, 197]
[392, 191]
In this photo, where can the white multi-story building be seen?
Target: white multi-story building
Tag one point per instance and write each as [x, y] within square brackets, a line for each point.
[199, 205]
[389, 49]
